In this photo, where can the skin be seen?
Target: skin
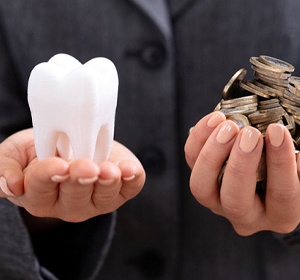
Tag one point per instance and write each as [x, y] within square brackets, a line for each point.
[212, 141]
[72, 191]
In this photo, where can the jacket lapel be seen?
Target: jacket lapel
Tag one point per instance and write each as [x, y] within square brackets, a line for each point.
[157, 10]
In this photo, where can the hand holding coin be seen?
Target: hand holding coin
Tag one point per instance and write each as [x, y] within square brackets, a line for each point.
[242, 155]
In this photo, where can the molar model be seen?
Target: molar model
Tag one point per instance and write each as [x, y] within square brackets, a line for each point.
[73, 107]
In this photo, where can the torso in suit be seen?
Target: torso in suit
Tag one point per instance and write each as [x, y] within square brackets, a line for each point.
[173, 61]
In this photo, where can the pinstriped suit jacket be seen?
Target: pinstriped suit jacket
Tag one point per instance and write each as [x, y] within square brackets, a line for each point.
[173, 60]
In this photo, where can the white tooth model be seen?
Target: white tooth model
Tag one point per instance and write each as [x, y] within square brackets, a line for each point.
[73, 107]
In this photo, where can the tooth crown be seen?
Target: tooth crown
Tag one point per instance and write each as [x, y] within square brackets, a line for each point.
[73, 107]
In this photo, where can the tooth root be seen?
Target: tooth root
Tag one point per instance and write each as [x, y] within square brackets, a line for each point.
[64, 146]
[83, 145]
[105, 133]
[73, 107]
[46, 143]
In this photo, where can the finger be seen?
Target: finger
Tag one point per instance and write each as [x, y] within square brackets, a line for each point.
[117, 184]
[73, 202]
[240, 203]
[40, 192]
[107, 188]
[4, 188]
[11, 182]
[39, 184]
[83, 174]
[283, 191]
[199, 134]
[15, 153]
[45, 172]
[204, 175]
[133, 178]
[84, 171]
[11, 178]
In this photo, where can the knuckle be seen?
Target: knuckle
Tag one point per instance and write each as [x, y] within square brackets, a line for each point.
[237, 170]
[282, 196]
[210, 160]
[128, 194]
[234, 210]
[105, 199]
[280, 160]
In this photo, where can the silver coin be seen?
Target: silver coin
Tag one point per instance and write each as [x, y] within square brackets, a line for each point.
[242, 110]
[293, 89]
[271, 74]
[244, 99]
[218, 107]
[270, 90]
[289, 95]
[295, 82]
[255, 91]
[265, 115]
[275, 62]
[269, 101]
[284, 100]
[235, 79]
[272, 81]
[240, 119]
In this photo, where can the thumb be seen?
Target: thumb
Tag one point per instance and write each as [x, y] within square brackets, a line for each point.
[11, 177]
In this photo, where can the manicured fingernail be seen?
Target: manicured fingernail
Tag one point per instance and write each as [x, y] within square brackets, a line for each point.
[249, 139]
[87, 181]
[276, 135]
[4, 187]
[214, 120]
[128, 178]
[59, 178]
[227, 132]
[106, 182]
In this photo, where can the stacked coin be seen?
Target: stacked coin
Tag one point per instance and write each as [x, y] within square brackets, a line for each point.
[272, 71]
[273, 96]
[291, 98]
[240, 105]
[270, 111]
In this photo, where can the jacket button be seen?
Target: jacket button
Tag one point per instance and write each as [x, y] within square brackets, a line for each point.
[153, 160]
[153, 55]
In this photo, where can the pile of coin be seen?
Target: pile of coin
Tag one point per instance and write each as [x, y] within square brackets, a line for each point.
[273, 96]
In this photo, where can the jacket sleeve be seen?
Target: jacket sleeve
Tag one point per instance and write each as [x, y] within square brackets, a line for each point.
[14, 112]
[68, 251]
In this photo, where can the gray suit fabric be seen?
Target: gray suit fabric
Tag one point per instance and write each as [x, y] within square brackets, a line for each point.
[173, 59]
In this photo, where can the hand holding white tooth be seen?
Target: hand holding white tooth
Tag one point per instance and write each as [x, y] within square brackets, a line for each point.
[73, 107]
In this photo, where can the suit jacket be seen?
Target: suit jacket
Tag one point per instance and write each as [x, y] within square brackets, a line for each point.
[173, 60]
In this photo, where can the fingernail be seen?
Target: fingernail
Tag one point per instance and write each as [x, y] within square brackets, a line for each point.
[276, 135]
[4, 187]
[249, 139]
[106, 182]
[190, 130]
[227, 132]
[214, 120]
[130, 178]
[87, 181]
[59, 178]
